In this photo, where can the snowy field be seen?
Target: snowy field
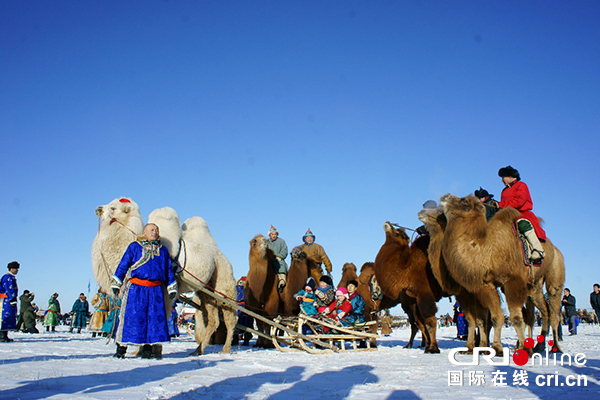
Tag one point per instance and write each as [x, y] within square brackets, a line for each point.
[72, 366]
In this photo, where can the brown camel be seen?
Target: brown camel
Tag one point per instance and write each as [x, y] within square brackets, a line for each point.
[482, 256]
[401, 267]
[348, 274]
[300, 269]
[262, 295]
[475, 314]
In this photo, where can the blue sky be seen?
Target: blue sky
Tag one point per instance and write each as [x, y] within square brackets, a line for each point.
[336, 116]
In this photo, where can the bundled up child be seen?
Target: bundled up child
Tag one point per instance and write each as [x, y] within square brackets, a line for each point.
[338, 311]
[324, 294]
[306, 298]
[358, 304]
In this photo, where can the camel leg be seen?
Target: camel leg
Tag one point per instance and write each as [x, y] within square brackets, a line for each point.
[490, 299]
[554, 304]
[483, 325]
[516, 295]
[230, 318]
[472, 321]
[427, 308]
[410, 310]
[537, 299]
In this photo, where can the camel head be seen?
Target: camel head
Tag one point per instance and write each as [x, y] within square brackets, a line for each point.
[121, 209]
[460, 206]
[348, 267]
[258, 245]
[395, 234]
[297, 253]
[434, 219]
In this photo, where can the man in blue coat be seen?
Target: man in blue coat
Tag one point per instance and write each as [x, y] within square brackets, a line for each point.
[8, 305]
[143, 318]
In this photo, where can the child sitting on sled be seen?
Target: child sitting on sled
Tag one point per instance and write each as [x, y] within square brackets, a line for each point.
[338, 311]
[306, 298]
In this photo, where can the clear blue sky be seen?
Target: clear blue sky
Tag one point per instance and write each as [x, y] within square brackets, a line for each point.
[336, 116]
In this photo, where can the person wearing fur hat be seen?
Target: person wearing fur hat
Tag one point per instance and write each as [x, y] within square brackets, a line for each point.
[324, 293]
[306, 298]
[280, 249]
[8, 306]
[79, 313]
[356, 315]
[315, 251]
[339, 309]
[491, 205]
[428, 205]
[516, 195]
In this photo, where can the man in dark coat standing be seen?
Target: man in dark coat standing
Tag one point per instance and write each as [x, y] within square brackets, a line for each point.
[595, 300]
[568, 302]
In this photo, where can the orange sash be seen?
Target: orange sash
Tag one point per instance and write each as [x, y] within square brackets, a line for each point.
[143, 282]
[3, 296]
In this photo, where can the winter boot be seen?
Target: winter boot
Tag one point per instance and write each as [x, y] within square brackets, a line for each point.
[281, 283]
[147, 351]
[53, 328]
[537, 254]
[121, 350]
[47, 328]
[79, 330]
[93, 334]
[4, 337]
[236, 339]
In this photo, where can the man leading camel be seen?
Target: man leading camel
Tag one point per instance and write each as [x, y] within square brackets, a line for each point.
[143, 318]
[516, 195]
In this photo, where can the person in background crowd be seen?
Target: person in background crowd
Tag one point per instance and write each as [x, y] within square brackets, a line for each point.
[243, 319]
[595, 300]
[280, 250]
[8, 304]
[28, 312]
[51, 319]
[101, 303]
[568, 302]
[79, 313]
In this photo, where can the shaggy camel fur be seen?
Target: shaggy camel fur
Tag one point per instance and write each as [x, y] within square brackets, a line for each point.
[262, 295]
[121, 223]
[348, 274]
[300, 269]
[400, 267]
[482, 256]
[196, 251]
[475, 314]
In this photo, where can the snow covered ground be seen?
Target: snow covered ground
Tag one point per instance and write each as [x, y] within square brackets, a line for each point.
[72, 366]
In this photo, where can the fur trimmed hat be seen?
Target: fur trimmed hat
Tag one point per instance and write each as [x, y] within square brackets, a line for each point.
[310, 282]
[509, 171]
[273, 229]
[326, 279]
[13, 264]
[309, 233]
[342, 292]
[481, 193]
[430, 204]
[241, 281]
[352, 282]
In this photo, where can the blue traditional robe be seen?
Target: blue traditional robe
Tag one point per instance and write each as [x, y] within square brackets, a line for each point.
[358, 308]
[8, 291]
[143, 319]
[79, 313]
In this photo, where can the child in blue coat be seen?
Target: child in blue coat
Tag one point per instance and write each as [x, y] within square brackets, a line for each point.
[306, 298]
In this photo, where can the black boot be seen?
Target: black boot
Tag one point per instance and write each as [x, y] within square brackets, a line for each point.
[121, 350]
[4, 337]
[53, 329]
[236, 339]
[93, 334]
[47, 328]
[79, 330]
[147, 351]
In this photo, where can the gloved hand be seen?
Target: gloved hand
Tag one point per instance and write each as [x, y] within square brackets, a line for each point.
[13, 302]
[115, 285]
[422, 230]
[172, 289]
